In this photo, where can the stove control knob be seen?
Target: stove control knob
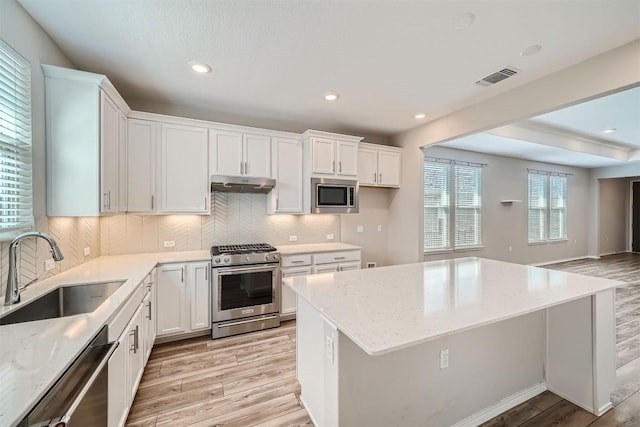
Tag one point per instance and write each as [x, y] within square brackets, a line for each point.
[275, 257]
[247, 258]
[217, 260]
[267, 257]
[227, 260]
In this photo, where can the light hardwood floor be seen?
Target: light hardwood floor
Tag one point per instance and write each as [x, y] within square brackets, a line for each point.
[249, 380]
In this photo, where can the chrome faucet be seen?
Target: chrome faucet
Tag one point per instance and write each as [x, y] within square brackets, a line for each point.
[12, 295]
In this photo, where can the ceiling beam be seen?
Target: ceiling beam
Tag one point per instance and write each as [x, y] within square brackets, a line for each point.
[532, 131]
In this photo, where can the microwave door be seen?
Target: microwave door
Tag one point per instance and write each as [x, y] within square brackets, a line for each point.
[332, 196]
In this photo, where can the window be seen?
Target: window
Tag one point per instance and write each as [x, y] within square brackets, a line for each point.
[547, 207]
[452, 205]
[16, 212]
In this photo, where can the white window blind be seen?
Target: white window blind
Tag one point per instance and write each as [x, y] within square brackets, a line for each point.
[547, 207]
[16, 211]
[436, 205]
[468, 183]
[452, 205]
[557, 207]
[537, 207]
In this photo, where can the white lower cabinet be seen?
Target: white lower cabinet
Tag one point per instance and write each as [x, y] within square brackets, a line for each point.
[304, 264]
[136, 356]
[183, 302]
[118, 380]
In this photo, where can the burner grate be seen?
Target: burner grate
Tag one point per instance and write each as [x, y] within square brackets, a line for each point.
[243, 248]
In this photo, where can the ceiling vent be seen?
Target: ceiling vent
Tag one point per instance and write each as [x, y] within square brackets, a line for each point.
[498, 76]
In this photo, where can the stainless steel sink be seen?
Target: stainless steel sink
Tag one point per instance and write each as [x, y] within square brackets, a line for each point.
[64, 301]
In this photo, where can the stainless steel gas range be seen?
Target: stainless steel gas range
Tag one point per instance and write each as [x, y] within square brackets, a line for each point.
[245, 295]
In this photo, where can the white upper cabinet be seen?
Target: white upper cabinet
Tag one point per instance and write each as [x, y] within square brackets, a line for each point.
[141, 170]
[287, 171]
[83, 141]
[379, 165]
[239, 154]
[331, 155]
[184, 169]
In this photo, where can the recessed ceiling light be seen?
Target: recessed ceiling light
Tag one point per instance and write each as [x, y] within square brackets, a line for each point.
[200, 67]
[464, 20]
[331, 96]
[420, 116]
[531, 50]
[609, 130]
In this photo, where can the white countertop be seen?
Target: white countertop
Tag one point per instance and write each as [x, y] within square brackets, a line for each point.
[33, 355]
[315, 248]
[389, 308]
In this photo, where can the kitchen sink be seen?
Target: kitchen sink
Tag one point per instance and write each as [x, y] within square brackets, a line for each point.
[63, 301]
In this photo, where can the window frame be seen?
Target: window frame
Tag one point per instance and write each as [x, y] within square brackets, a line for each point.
[547, 209]
[16, 144]
[452, 207]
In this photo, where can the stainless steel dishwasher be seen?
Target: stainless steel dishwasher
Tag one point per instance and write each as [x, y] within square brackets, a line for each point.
[79, 398]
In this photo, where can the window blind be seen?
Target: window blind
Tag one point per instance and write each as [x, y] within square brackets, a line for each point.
[436, 205]
[537, 207]
[16, 210]
[557, 207]
[468, 220]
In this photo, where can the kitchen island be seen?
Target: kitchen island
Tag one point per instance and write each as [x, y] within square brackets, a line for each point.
[453, 342]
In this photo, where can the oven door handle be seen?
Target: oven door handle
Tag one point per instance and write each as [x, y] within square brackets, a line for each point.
[231, 271]
[64, 420]
[244, 322]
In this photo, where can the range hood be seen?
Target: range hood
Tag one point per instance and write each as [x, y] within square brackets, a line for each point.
[241, 184]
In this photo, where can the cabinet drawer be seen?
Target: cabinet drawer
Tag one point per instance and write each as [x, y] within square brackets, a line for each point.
[118, 323]
[338, 257]
[296, 260]
[292, 272]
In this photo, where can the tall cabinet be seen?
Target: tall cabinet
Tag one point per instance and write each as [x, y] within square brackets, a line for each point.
[85, 138]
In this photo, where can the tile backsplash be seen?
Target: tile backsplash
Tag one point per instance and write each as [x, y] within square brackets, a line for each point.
[71, 234]
[235, 218]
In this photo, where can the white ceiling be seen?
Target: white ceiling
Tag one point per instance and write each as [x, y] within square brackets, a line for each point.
[274, 59]
[570, 136]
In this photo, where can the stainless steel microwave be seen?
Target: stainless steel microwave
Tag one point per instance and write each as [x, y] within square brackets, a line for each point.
[334, 196]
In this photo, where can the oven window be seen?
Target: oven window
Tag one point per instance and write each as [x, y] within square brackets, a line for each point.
[332, 196]
[246, 290]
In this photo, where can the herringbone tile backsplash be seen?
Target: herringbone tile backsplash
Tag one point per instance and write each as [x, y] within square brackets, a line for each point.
[235, 218]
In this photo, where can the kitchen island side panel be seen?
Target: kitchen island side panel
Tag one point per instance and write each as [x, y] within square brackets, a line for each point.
[407, 387]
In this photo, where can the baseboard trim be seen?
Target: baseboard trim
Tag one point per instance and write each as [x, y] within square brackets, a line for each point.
[178, 337]
[614, 253]
[504, 405]
[306, 408]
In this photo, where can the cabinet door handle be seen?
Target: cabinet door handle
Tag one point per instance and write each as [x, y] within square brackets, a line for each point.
[182, 275]
[340, 167]
[149, 307]
[375, 177]
[109, 193]
[241, 168]
[339, 268]
[206, 274]
[132, 347]
[333, 166]
[246, 168]
[339, 257]
[380, 178]
[298, 261]
[152, 202]
[137, 338]
[105, 203]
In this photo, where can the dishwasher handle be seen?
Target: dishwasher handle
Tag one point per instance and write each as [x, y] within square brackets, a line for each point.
[63, 421]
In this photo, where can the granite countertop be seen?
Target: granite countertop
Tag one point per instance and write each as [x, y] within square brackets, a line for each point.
[315, 248]
[390, 308]
[33, 355]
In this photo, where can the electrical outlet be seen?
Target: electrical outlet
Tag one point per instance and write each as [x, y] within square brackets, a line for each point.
[169, 243]
[49, 265]
[444, 358]
[293, 238]
[87, 251]
[371, 264]
[329, 236]
[379, 227]
[329, 345]
[360, 228]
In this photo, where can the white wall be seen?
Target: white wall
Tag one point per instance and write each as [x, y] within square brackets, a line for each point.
[602, 74]
[614, 215]
[505, 226]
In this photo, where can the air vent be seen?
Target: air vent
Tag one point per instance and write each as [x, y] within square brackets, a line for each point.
[498, 76]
